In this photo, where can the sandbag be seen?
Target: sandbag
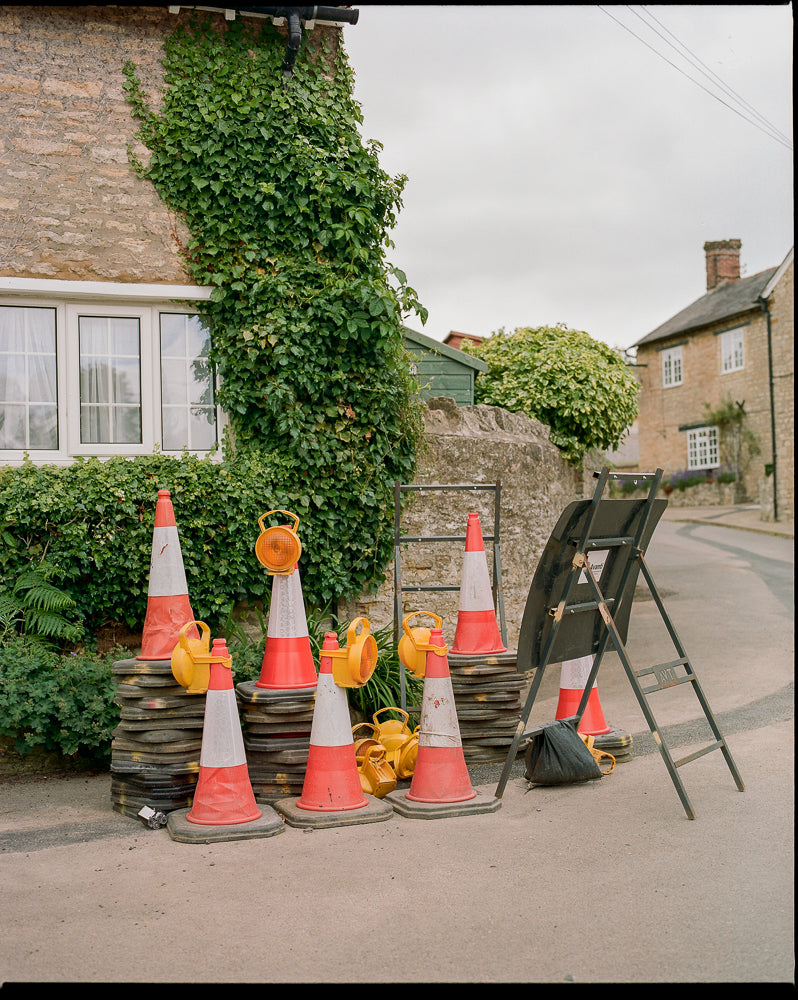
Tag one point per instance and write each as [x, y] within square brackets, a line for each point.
[557, 756]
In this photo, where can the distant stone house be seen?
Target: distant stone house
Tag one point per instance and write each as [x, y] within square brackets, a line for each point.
[100, 350]
[735, 343]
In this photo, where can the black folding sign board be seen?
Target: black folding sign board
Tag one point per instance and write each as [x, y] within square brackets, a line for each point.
[616, 524]
[580, 602]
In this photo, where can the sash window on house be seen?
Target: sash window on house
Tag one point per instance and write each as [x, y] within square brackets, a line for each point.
[702, 448]
[672, 367]
[103, 379]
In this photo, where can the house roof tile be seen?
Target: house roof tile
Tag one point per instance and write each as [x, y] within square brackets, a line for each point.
[721, 303]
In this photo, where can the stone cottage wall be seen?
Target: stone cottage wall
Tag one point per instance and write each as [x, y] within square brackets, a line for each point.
[467, 445]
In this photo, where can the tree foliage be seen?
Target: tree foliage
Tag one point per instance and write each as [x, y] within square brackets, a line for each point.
[578, 386]
[289, 215]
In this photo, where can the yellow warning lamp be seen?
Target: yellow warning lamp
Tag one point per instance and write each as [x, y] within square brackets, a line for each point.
[414, 645]
[192, 659]
[354, 665]
[392, 733]
[278, 548]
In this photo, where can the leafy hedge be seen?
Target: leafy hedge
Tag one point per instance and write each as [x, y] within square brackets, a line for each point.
[59, 704]
[93, 521]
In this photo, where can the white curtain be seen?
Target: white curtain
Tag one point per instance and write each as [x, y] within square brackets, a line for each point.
[28, 388]
[110, 380]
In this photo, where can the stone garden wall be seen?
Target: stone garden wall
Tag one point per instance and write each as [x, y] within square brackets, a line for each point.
[476, 445]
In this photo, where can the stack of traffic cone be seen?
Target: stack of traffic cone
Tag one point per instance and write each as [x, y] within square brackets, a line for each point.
[574, 675]
[332, 794]
[224, 806]
[441, 785]
[156, 746]
[278, 707]
[477, 629]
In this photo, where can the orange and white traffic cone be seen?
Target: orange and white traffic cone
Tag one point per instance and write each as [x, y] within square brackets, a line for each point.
[477, 629]
[223, 799]
[574, 675]
[168, 606]
[287, 659]
[441, 785]
[332, 794]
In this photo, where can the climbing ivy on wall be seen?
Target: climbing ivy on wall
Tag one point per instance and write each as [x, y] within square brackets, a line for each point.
[289, 215]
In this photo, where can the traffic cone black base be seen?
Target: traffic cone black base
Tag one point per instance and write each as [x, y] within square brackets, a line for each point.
[181, 829]
[374, 811]
[482, 802]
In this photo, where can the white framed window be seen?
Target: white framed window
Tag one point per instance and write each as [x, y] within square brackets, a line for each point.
[732, 350]
[98, 376]
[702, 448]
[672, 366]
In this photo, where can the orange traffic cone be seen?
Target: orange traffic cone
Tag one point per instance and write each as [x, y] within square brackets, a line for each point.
[168, 607]
[332, 794]
[287, 659]
[574, 675]
[441, 784]
[223, 799]
[477, 630]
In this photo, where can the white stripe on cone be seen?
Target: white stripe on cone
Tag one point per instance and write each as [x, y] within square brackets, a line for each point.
[331, 725]
[222, 741]
[438, 723]
[574, 673]
[167, 574]
[475, 589]
[287, 619]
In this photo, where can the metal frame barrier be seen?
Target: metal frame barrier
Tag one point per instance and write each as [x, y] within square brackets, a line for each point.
[400, 540]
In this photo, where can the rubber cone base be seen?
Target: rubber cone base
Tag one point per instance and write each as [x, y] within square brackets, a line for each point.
[482, 802]
[181, 829]
[374, 811]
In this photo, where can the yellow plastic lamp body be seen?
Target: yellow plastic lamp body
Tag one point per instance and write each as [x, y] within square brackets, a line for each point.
[354, 665]
[191, 659]
[278, 548]
[187, 668]
[414, 644]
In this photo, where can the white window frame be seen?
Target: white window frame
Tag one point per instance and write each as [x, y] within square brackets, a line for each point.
[703, 447]
[71, 299]
[732, 350]
[671, 359]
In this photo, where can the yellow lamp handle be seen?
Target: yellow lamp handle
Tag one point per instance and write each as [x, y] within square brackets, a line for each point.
[288, 513]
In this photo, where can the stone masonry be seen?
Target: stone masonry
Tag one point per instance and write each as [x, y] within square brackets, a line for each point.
[466, 445]
[71, 207]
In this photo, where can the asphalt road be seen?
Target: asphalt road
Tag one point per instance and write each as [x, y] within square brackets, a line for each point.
[600, 882]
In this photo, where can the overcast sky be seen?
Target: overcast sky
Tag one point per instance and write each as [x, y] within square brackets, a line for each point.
[562, 170]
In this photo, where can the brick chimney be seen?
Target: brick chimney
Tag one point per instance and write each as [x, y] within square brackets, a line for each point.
[723, 262]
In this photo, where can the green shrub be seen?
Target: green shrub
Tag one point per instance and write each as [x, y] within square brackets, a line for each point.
[60, 703]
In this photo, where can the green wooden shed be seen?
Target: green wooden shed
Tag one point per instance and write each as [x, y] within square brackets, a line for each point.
[443, 370]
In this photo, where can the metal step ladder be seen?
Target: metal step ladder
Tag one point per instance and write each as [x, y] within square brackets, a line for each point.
[400, 540]
[579, 604]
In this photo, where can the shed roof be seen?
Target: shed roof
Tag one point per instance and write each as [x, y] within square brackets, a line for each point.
[453, 353]
[721, 303]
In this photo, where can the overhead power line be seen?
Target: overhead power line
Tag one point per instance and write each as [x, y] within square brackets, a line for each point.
[758, 121]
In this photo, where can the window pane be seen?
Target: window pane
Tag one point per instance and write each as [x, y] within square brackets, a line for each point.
[28, 378]
[110, 380]
[43, 427]
[188, 414]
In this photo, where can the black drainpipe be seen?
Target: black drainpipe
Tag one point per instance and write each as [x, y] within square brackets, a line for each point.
[764, 306]
[294, 41]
